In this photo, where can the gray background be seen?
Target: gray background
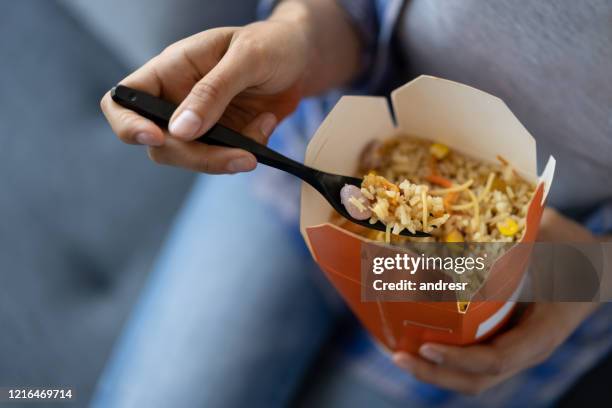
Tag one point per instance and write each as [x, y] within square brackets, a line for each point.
[82, 214]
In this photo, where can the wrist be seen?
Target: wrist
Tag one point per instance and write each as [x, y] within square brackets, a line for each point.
[294, 12]
[300, 19]
[330, 44]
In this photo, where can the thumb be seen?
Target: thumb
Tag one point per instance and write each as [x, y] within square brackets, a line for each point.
[210, 96]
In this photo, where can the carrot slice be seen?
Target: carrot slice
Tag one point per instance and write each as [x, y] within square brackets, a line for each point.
[450, 198]
[439, 180]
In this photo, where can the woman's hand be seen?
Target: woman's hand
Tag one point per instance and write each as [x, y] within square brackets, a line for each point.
[474, 369]
[248, 78]
[539, 331]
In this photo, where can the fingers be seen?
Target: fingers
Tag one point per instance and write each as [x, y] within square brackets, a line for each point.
[220, 69]
[473, 359]
[130, 127]
[473, 369]
[203, 158]
[535, 336]
[518, 348]
[443, 377]
[170, 75]
[209, 98]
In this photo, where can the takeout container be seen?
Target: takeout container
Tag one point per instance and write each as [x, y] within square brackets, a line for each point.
[467, 120]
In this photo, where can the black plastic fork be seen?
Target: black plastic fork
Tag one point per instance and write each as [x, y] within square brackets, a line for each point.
[329, 185]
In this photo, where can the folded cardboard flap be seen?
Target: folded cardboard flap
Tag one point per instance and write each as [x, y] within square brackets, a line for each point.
[467, 119]
[546, 177]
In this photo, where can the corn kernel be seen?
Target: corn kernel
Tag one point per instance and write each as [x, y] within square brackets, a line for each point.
[439, 150]
[508, 227]
[453, 236]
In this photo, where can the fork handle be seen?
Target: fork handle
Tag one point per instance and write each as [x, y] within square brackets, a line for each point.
[160, 112]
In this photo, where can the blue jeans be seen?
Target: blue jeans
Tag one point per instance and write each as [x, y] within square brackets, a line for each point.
[233, 314]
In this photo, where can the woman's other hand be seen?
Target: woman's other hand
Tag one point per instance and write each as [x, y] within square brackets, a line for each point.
[540, 330]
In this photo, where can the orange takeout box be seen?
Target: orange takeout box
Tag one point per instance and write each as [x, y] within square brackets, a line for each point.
[467, 120]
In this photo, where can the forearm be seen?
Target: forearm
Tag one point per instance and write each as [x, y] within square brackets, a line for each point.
[333, 44]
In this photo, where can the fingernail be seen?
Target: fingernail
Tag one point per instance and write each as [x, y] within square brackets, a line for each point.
[431, 353]
[185, 125]
[267, 125]
[147, 139]
[240, 165]
[403, 360]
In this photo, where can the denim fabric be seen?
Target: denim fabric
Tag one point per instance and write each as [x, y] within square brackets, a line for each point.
[234, 312]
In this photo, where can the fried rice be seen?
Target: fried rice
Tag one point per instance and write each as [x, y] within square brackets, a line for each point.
[419, 185]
